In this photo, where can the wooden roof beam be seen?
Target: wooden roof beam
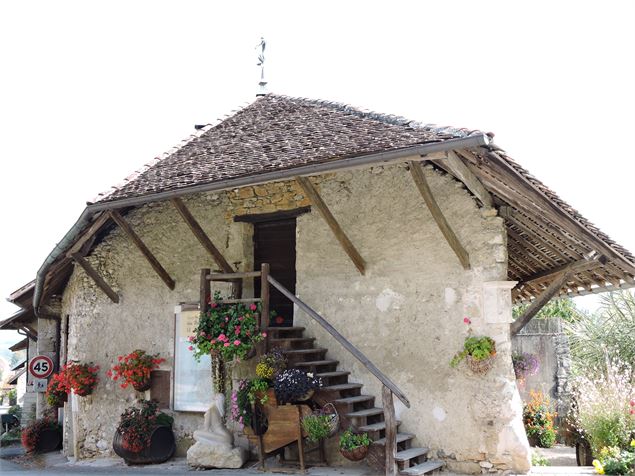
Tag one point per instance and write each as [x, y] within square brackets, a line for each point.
[94, 275]
[88, 234]
[132, 235]
[422, 184]
[454, 165]
[572, 268]
[200, 234]
[316, 200]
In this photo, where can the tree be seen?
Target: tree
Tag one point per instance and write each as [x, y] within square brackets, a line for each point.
[563, 308]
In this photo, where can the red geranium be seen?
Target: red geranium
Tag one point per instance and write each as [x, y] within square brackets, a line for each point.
[134, 368]
[57, 390]
[81, 378]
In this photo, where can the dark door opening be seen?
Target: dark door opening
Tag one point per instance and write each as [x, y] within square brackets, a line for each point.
[274, 243]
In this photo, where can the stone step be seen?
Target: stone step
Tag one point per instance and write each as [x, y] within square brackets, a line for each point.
[366, 413]
[337, 373]
[315, 363]
[422, 468]
[291, 342]
[342, 387]
[401, 437]
[316, 350]
[353, 400]
[375, 426]
[410, 453]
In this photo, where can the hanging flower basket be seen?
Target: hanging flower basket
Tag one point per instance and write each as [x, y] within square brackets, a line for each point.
[135, 369]
[480, 367]
[354, 446]
[143, 385]
[356, 454]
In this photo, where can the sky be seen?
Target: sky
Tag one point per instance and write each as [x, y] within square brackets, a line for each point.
[90, 91]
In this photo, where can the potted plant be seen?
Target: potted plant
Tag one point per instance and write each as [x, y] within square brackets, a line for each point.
[538, 421]
[354, 446]
[271, 364]
[42, 435]
[144, 435]
[135, 369]
[227, 330]
[321, 424]
[525, 365]
[57, 390]
[294, 385]
[80, 378]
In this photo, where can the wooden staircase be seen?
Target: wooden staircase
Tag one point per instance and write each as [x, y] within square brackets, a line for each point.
[356, 409]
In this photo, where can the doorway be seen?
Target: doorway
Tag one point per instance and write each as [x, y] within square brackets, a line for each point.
[274, 243]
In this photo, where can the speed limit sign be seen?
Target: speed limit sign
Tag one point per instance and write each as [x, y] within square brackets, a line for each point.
[41, 366]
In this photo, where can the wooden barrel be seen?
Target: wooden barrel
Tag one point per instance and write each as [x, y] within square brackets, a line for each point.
[50, 439]
[162, 447]
[583, 454]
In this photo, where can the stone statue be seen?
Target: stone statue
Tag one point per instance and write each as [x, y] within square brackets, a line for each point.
[213, 447]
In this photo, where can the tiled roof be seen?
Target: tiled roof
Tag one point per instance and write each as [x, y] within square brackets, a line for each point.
[276, 133]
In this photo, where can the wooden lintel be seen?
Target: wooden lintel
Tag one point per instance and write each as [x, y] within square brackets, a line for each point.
[88, 234]
[422, 184]
[573, 268]
[200, 234]
[99, 281]
[127, 229]
[315, 199]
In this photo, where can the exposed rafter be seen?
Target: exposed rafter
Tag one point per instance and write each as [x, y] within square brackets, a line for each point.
[574, 268]
[132, 235]
[94, 275]
[422, 184]
[453, 164]
[315, 199]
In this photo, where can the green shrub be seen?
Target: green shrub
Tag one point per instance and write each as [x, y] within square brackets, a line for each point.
[317, 427]
[539, 460]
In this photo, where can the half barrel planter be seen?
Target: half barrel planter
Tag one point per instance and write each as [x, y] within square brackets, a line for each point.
[162, 447]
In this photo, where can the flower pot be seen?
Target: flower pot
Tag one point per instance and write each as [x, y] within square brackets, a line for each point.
[480, 367]
[143, 385]
[356, 454]
[49, 439]
[583, 454]
[306, 396]
[162, 447]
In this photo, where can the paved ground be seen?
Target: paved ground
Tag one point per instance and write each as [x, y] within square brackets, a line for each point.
[559, 455]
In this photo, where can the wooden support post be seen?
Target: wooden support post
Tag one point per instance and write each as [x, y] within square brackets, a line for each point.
[422, 184]
[206, 290]
[264, 303]
[391, 430]
[99, 281]
[540, 301]
[201, 236]
[123, 224]
[300, 440]
[317, 201]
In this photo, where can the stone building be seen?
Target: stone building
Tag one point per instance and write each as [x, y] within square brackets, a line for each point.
[391, 230]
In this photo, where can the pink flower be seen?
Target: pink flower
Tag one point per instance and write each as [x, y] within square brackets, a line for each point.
[240, 318]
[191, 338]
[632, 411]
[264, 334]
[226, 319]
[236, 342]
[190, 348]
[253, 307]
[213, 341]
[632, 403]
[226, 344]
[214, 304]
[467, 320]
[222, 337]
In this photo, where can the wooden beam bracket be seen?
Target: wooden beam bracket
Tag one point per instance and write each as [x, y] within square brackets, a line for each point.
[422, 184]
[94, 275]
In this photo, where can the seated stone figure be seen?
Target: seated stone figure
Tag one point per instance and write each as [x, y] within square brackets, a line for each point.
[213, 447]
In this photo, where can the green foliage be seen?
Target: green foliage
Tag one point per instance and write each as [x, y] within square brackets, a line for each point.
[317, 427]
[539, 460]
[349, 440]
[538, 420]
[258, 387]
[564, 308]
[613, 460]
[480, 348]
[13, 396]
[15, 410]
[609, 334]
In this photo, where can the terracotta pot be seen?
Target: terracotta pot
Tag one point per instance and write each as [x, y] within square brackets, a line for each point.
[162, 447]
[143, 385]
[356, 454]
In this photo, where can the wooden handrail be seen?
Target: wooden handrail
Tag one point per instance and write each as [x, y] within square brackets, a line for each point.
[233, 276]
[342, 340]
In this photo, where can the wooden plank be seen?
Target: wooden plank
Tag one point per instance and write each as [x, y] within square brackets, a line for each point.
[201, 235]
[264, 296]
[422, 184]
[94, 275]
[233, 276]
[205, 290]
[455, 165]
[574, 268]
[132, 235]
[272, 216]
[316, 200]
[391, 430]
[88, 234]
[239, 301]
[342, 340]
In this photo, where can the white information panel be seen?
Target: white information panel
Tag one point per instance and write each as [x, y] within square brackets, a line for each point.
[192, 379]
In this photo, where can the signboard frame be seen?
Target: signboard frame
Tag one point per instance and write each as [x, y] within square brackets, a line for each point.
[35, 361]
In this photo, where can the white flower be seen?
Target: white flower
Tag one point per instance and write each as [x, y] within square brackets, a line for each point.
[309, 374]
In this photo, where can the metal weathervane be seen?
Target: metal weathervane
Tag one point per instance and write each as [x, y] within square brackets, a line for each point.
[262, 85]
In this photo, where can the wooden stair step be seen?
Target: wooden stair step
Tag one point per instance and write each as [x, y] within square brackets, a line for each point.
[292, 340]
[366, 413]
[343, 387]
[401, 437]
[375, 426]
[315, 363]
[357, 399]
[287, 329]
[422, 468]
[315, 350]
[337, 373]
[410, 453]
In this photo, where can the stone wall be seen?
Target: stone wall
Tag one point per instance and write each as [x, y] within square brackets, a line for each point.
[406, 313]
